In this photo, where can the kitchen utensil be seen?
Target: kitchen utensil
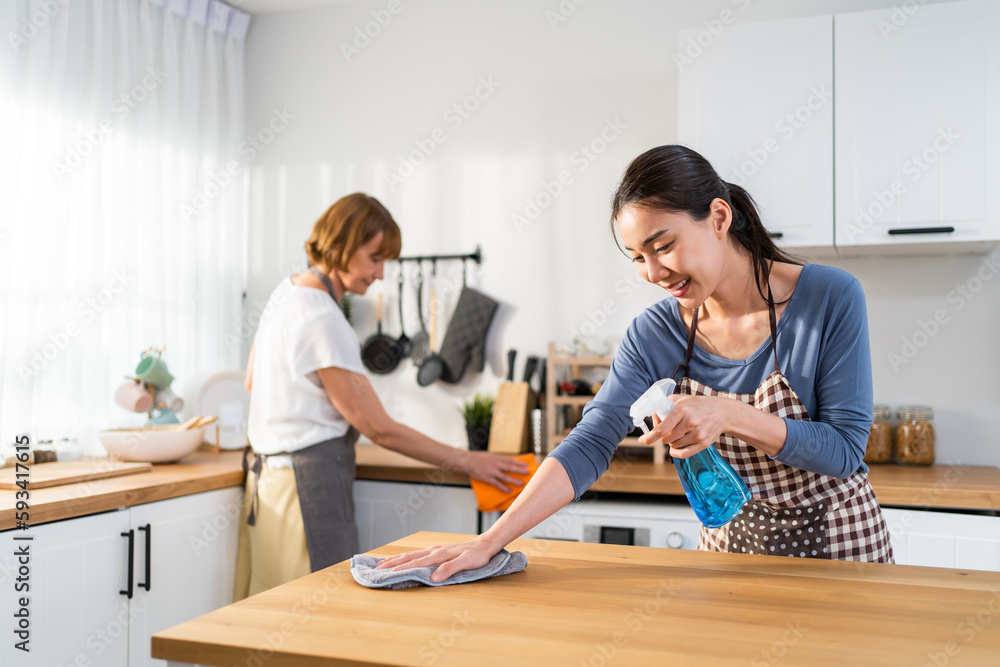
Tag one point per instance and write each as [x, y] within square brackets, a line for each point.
[190, 424]
[405, 346]
[542, 380]
[510, 429]
[432, 366]
[538, 432]
[153, 370]
[380, 353]
[420, 342]
[223, 394]
[529, 368]
[133, 396]
[71, 472]
[152, 445]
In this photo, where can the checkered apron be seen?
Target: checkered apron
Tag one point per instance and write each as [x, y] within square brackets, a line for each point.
[792, 512]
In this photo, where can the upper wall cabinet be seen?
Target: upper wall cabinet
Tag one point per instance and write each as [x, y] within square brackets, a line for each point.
[917, 125]
[875, 132]
[757, 101]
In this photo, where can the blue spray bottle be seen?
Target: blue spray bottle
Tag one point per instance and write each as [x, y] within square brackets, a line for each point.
[715, 491]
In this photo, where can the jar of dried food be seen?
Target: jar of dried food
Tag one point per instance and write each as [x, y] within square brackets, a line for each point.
[915, 435]
[879, 448]
[44, 452]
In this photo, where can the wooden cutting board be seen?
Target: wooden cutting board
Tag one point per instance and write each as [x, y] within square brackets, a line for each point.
[510, 427]
[43, 475]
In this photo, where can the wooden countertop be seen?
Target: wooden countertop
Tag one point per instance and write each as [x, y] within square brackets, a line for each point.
[584, 604]
[966, 487]
[202, 471]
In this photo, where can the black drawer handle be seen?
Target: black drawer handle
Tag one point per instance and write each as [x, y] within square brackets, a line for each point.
[775, 235]
[921, 230]
[149, 540]
[131, 562]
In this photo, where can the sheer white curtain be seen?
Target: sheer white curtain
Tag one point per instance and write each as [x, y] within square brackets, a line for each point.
[120, 226]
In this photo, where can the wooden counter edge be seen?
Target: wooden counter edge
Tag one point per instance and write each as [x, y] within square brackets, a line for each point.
[134, 490]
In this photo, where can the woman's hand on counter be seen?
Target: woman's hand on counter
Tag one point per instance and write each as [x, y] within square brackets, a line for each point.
[451, 558]
[493, 469]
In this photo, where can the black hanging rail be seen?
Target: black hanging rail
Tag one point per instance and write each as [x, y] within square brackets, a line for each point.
[476, 257]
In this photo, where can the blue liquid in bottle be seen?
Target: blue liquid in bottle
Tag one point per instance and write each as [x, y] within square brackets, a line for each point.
[715, 491]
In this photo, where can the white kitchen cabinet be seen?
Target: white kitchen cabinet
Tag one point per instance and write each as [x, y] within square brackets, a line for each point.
[874, 132]
[387, 511]
[940, 539]
[76, 570]
[193, 542]
[918, 126]
[758, 104]
[79, 570]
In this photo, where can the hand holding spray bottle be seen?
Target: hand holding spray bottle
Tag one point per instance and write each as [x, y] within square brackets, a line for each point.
[715, 491]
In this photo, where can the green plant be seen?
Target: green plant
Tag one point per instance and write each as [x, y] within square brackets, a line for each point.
[478, 410]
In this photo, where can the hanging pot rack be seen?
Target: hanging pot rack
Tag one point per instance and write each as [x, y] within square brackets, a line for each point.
[476, 256]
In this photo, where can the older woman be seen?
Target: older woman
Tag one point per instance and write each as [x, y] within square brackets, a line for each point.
[309, 399]
[774, 369]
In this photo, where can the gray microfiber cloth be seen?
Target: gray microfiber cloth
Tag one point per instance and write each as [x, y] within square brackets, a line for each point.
[364, 572]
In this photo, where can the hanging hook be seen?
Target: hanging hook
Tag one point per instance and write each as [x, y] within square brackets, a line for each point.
[434, 268]
[463, 273]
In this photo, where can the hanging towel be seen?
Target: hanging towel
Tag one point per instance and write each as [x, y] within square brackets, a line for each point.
[364, 572]
[492, 499]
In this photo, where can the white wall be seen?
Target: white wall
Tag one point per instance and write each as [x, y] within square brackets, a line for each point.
[559, 87]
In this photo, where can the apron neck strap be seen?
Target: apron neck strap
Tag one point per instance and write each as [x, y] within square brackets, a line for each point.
[772, 321]
[325, 279]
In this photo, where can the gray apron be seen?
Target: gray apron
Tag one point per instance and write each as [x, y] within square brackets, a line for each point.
[324, 475]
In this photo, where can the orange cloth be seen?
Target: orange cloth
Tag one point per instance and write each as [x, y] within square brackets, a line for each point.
[492, 499]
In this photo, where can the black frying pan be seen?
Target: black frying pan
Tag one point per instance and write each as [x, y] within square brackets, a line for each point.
[381, 354]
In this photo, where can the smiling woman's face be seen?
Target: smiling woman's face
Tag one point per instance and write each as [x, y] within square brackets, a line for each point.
[365, 266]
[683, 256]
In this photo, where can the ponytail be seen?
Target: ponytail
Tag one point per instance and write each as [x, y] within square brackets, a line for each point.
[680, 180]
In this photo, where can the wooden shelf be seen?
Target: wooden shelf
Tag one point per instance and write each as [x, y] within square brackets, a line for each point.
[581, 361]
[555, 402]
[659, 449]
[571, 400]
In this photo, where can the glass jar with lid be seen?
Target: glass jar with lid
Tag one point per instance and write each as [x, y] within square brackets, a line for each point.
[44, 451]
[879, 449]
[915, 435]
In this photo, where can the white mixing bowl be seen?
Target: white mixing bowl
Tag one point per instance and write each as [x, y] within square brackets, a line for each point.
[153, 445]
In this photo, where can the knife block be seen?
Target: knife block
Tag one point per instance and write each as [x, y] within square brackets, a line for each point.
[510, 428]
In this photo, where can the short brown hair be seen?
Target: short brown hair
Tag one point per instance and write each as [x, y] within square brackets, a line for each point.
[348, 224]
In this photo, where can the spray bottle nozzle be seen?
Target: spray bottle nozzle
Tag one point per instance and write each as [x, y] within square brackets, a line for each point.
[655, 401]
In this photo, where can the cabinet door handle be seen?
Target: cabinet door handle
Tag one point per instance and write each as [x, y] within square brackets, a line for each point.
[131, 562]
[921, 230]
[149, 540]
[775, 235]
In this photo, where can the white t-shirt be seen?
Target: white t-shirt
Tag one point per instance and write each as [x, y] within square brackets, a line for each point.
[301, 331]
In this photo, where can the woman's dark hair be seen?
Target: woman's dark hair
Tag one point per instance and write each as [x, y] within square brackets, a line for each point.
[679, 180]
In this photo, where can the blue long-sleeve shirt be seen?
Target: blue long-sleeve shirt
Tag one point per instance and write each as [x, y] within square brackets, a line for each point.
[823, 351]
